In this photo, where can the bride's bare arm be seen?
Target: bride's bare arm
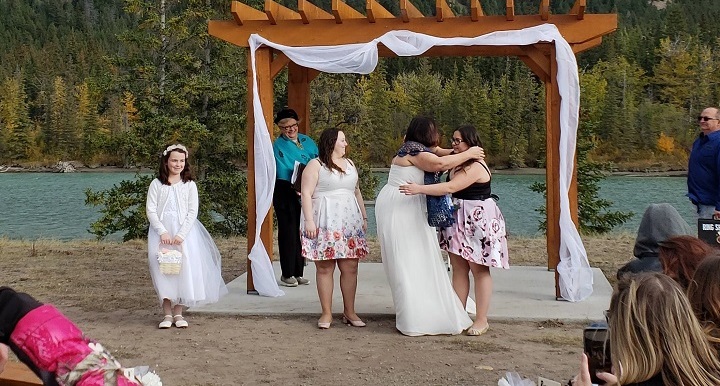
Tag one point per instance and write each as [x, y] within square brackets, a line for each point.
[460, 180]
[441, 152]
[432, 163]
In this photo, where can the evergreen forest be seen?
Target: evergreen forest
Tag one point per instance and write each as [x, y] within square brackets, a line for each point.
[112, 82]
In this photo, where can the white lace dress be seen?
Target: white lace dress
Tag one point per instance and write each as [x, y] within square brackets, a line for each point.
[425, 302]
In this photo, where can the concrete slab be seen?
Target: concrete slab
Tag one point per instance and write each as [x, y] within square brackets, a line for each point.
[520, 293]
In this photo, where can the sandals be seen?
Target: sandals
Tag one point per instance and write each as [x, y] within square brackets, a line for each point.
[477, 331]
[180, 322]
[167, 322]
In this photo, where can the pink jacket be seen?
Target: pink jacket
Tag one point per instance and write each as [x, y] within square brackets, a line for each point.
[54, 344]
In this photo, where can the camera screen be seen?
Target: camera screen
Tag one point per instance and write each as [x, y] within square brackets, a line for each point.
[597, 348]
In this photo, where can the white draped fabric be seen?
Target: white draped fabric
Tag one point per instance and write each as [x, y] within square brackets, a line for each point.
[574, 270]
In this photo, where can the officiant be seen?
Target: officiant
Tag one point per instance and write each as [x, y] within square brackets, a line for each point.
[290, 148]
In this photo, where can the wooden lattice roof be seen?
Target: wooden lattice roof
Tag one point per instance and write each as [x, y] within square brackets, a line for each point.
[314, 26]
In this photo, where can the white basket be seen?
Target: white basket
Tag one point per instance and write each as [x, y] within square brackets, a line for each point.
[170, 260]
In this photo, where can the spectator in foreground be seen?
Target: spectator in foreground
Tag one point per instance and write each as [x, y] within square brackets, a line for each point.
[55, 349]
[655, 338]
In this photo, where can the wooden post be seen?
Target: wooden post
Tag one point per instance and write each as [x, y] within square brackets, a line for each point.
[263, 57]
[299, 94]
[552, 168]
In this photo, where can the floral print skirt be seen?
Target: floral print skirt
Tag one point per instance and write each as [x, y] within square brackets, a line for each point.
[340, 229]
[478, 234]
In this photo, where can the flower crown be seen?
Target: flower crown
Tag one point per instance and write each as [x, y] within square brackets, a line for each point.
[176, 147]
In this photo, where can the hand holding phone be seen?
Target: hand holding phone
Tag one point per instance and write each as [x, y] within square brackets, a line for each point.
[596, 344]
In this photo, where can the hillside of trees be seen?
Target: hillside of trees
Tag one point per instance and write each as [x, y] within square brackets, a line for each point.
[107, 82]
[102, 82]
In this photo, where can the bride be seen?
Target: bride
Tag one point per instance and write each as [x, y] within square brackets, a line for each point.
[425, 303]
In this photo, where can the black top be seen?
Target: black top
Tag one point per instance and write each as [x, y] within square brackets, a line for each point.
[476, 191]
[654, 381]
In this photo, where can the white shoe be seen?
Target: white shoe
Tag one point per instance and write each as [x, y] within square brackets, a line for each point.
[180, 322]
[167, 322]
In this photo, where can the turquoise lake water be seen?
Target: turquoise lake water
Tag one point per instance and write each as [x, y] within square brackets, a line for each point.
[49, 205]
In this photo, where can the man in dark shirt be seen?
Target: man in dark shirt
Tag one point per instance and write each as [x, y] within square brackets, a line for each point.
[704, 166]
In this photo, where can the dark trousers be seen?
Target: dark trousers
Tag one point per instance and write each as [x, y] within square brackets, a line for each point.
[288, 209]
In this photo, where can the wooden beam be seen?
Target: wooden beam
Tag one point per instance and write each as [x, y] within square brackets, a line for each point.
[309, 11]
[476, 10]
[329, 33]
[275, 12]
[509, 10]
[342, 11]
[242, 13]
[263, 57]
[538, 61]
[376, 11]
[442, 10]
[408, 11]
[312, 74]
[552, 168]
[587, 45]
[544, 9]
[578, 9]
[299, 94]
[278, 63]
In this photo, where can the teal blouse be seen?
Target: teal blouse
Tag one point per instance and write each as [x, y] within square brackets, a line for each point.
[287, 152]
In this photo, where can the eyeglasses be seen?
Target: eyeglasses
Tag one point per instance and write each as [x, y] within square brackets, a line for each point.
[705, 119]
[456, 141]
[607, 316]
[288, 126]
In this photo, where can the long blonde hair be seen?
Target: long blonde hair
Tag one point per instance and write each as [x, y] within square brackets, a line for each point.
[653, 330]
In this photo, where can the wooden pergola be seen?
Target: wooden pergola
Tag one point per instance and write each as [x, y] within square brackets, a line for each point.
[313, 26]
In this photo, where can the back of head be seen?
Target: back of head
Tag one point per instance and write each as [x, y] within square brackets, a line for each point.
[681, 255]
[423, 130]
[704, 295]
[659, 222]
[654, 330]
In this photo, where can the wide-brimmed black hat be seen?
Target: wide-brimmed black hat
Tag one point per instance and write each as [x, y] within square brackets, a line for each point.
[286, 113]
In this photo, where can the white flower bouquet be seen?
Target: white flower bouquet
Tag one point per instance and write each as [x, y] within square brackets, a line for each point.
[170, 259]
[143, 376]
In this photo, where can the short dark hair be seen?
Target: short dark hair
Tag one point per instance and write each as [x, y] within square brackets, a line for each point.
[284, 114]
[423, 130]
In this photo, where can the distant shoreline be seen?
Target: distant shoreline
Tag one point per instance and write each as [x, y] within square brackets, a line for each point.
[541, 171]
[509, 171]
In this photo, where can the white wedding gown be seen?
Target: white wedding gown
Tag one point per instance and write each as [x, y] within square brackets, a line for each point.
[425, 302]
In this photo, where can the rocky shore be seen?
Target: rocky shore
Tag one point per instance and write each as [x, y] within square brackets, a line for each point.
[66, 167]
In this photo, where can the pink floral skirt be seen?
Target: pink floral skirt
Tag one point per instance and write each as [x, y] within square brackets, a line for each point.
[338, 244]
[478, 234]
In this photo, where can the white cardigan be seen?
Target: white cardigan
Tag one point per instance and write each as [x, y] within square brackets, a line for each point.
[187, 199]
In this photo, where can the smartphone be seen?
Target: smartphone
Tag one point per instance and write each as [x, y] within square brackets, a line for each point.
[596, 342]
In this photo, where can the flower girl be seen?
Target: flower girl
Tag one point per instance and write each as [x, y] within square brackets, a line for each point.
[184, 261]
